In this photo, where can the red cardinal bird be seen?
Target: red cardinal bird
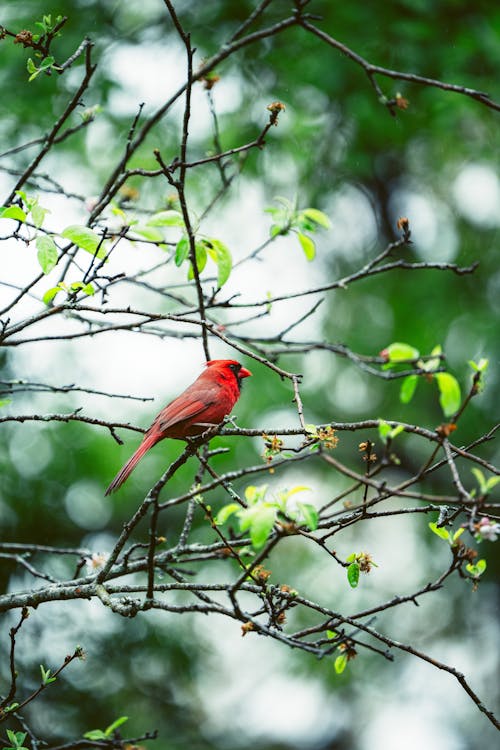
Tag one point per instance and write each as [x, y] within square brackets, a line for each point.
[205, 402]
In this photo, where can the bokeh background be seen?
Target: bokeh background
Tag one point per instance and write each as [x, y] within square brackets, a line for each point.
[336, 148]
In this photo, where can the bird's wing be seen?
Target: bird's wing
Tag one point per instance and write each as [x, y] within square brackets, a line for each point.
[188, 406]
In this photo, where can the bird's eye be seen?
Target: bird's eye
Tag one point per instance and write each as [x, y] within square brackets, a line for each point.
[235, 368]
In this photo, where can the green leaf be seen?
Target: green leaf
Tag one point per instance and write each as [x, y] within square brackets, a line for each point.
[47, 62]
[114, 726]
[166, 219]
[340, 663]
[117, 211]
[225, 512]
[86, 239]
[331, 634]
[458, 533]
[13, 212]
[492, 482]
[480, 366]
[485, 485]
[480, 478]
[28, 200]
[481, 566]
[310, 515]
[276, 229]
[449, 393]
[408, 387]
[38, 214]
[220, 253]
[149, 233]
[95, 734]
[201, 259]
[304, 224]
[181, 251]
[477, 569]
[400, 352]
[262, 526]
[318, 217]
[5, 401]
[46, 676]
[353, 574]
[50, 294]
[294, 490]
[308, 245]
[201, 255]
[47, 252]
[439, 531]
[16, 738]
[246, 516]
[259, 519]
[432, 364]
[386, 432]
[254, 494]
[397, 430]
[78, 286]
[383, 430]
[250, 493]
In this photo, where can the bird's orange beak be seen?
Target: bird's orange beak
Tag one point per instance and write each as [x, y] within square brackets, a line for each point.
[244, 373]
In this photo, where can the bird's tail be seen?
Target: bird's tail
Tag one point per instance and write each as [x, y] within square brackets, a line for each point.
[126, 471]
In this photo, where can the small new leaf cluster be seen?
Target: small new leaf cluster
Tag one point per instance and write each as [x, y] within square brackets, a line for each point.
[81, 236]
[95, 735]
[70, 289]
[346, 649]
[400, 353]
[28, 205]
[361, 562]
[273, 446]
[47, 25]
[475, 569]
[47, 65]
[47, 678]
[263, 512]
[388, 433]
[40, 43]
[85, 239]
[321, 436]
[287, 218]
[204, 247]
[479, 372]
[16, 740]
[485, 485]
[443, 533]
